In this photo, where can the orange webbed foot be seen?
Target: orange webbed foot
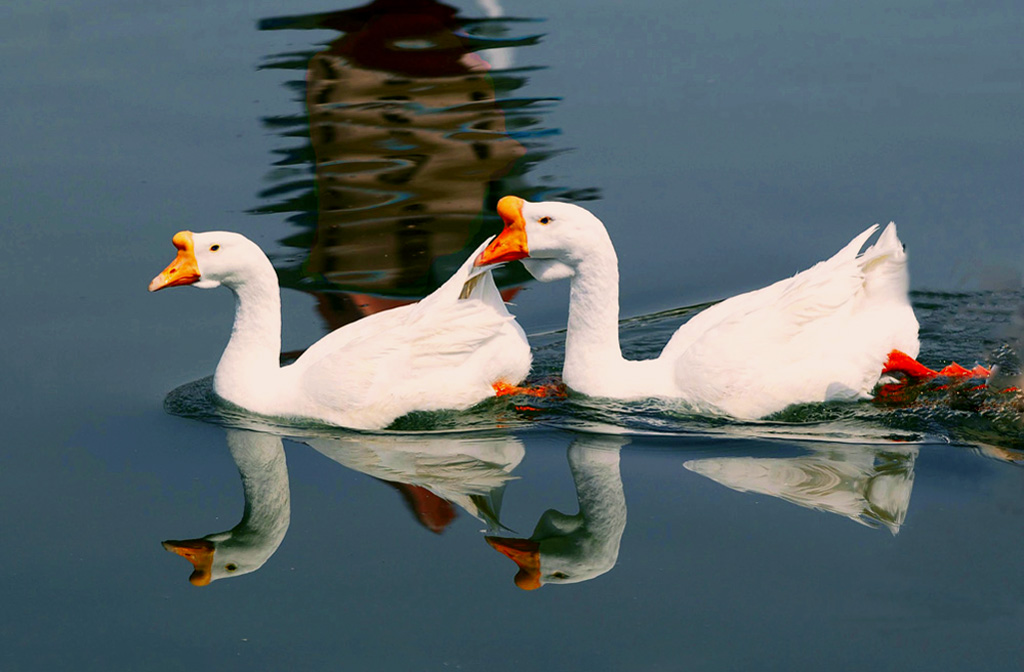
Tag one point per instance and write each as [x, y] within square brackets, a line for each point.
[980, 371]
[502, 389]
[954, 370]
[901, 362]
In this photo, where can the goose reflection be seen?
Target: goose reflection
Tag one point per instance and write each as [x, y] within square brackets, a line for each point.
[249, 544]
[574, 548]
[434, 474]
[867, 484]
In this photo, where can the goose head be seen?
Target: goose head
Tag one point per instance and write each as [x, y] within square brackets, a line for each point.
[227, 554]
[210, 259]
[565, 549]
[550, 238]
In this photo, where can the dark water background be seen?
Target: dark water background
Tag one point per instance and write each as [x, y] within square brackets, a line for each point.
[724, 145]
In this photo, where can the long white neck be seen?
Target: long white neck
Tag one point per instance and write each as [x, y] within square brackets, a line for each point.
[592, 337]
[251, 359]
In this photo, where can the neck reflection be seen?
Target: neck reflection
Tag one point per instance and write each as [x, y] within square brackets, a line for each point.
[265, 519]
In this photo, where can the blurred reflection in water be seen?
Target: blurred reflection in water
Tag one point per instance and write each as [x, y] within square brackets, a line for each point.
[868, 484]
[580, 547]
[434, 475]
[413, 137]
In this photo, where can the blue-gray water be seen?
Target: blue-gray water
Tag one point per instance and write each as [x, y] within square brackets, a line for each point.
[725, 146]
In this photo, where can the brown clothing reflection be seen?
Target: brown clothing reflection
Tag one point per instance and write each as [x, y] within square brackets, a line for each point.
[407, 136]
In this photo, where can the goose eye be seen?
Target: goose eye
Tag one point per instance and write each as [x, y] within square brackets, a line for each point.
[544, 220]
[560, 575]
[230, 567]
[214, 248]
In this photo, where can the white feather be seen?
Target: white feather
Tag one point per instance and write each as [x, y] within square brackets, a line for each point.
[444, 352]
[822, 334]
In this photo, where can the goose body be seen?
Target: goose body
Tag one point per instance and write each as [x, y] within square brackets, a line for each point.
[444, 352]
[823, 334]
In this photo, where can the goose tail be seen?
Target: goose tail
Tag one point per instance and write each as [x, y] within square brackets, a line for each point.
[469, 283]
[884, 266]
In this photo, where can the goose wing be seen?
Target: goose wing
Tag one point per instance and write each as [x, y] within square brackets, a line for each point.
[463, 323]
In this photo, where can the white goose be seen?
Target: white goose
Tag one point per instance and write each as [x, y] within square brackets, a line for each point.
[824, 334]
[451, 350]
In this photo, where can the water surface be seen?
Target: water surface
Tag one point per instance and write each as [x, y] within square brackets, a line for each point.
[724, 146]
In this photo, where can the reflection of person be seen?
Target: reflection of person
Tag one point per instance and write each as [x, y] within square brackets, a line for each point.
[249, 544]
[407, 137]
[572, 549]
[867, 484]
[413, 139]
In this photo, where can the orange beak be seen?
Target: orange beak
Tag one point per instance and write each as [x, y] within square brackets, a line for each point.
[197, 551]
[184, 270]
[523, 552]
[511, 242]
